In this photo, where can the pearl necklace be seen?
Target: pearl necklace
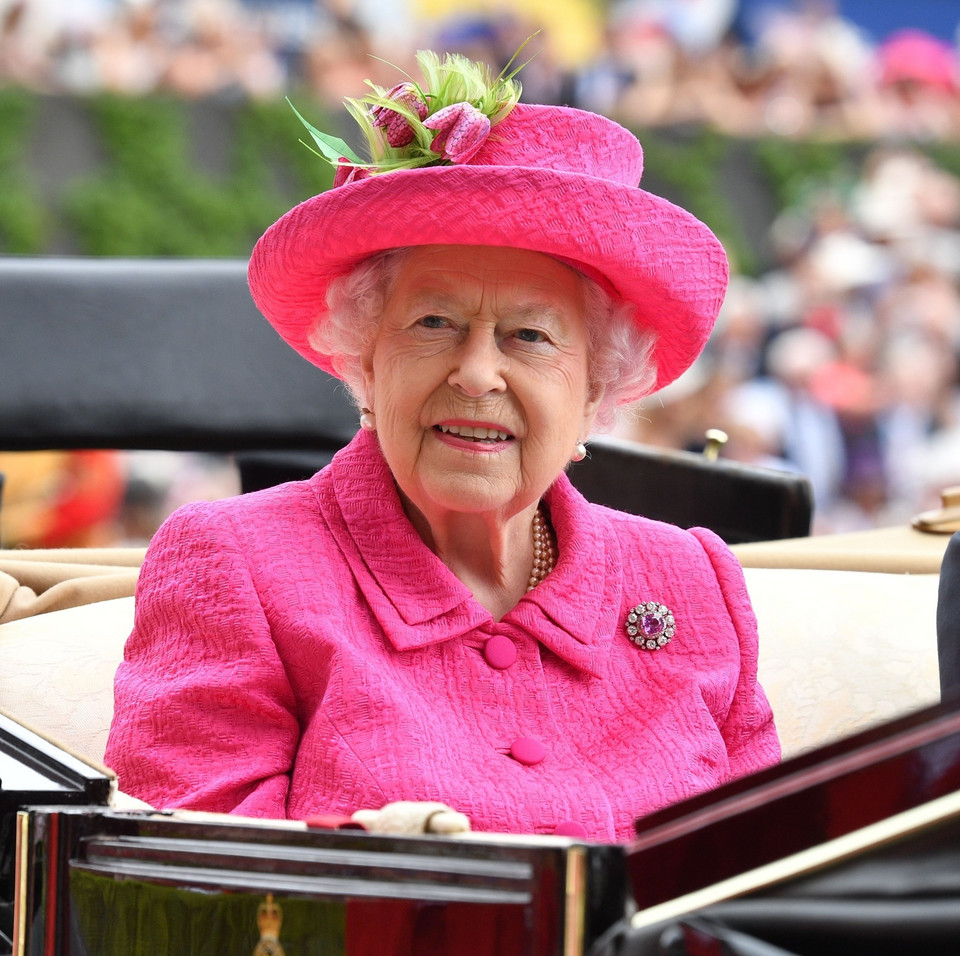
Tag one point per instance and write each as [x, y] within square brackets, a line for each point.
[544, 550]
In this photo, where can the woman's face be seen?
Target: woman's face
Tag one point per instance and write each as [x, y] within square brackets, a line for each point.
[478, 377]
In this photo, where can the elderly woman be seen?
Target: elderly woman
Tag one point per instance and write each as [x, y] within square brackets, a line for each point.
[438, 615]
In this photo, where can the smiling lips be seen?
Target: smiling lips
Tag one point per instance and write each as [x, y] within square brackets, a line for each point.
[476, 433]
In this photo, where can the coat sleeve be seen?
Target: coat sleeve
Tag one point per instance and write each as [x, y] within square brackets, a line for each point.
[749, 730]
[204, 716]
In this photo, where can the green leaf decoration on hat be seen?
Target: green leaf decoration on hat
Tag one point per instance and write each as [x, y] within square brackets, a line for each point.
[401, 127]
[331, 148]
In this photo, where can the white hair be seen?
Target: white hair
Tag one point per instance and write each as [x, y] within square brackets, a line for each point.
[619, 362]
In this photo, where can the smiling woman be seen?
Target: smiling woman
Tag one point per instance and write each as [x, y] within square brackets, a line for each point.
[620, 354]
[438, 618]
[480, 339]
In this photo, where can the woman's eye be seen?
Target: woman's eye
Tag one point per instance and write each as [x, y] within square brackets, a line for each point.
[433, 322]
[530, 335]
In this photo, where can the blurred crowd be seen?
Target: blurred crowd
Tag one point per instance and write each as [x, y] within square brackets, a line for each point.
[842, 361]
[102, 498]
[789, 68]
[793, 70]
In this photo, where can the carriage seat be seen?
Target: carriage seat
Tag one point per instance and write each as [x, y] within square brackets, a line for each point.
[842, 648]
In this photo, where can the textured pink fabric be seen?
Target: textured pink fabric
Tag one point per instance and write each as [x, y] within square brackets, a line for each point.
[300, 651]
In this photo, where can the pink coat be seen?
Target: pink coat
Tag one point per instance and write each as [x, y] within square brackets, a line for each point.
[300, 651]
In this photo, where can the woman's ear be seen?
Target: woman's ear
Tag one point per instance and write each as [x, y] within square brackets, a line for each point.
[366, 395]
[590, 410]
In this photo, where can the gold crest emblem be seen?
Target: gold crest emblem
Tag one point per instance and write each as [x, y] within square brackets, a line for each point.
[269, 920]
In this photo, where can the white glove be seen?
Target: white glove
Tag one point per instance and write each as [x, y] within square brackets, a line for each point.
[408, 818]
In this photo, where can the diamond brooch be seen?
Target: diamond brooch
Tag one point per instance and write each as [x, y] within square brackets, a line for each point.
[650, 625]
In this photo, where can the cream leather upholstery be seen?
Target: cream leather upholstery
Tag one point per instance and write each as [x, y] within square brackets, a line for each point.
[841, 651]
[57, 672]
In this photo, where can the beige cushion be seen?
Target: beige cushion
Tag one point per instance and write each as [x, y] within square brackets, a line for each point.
[897, 550]
[37, 581]
[57, 672]
[841, 651]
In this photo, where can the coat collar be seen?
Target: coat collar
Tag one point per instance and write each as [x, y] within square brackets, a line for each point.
[419, 601]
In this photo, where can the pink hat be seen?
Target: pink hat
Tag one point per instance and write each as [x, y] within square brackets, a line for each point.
[914, 55]
[549, 179]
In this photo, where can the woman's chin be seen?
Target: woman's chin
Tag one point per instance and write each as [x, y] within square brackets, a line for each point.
[467, 493]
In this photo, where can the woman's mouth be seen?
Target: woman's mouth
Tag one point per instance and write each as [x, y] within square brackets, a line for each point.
[475, 433]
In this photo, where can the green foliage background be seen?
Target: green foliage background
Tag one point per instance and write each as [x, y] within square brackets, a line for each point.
[148, 198]
[24, 223]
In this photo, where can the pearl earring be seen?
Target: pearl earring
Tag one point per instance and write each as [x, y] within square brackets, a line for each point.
[367, 421]
[580, 452]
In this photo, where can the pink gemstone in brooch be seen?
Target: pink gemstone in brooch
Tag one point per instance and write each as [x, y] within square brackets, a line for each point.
[650, 625]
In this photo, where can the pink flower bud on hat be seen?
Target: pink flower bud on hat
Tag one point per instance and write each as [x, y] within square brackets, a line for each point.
[461, 130]
[398, 129]
[346, 172]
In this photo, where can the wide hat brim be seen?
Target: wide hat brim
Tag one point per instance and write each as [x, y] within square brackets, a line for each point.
[654, 254]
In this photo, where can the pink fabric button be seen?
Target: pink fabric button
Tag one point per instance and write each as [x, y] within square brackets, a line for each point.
[527, 751]
[500, 652]
[570, 828]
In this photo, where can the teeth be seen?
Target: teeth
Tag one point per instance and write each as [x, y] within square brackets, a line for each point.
[480, 434]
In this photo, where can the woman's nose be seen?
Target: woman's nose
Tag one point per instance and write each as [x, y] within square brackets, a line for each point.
[479, 365]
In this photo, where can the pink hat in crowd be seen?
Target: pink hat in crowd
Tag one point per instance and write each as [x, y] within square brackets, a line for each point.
[918, 57]
[457, 161]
